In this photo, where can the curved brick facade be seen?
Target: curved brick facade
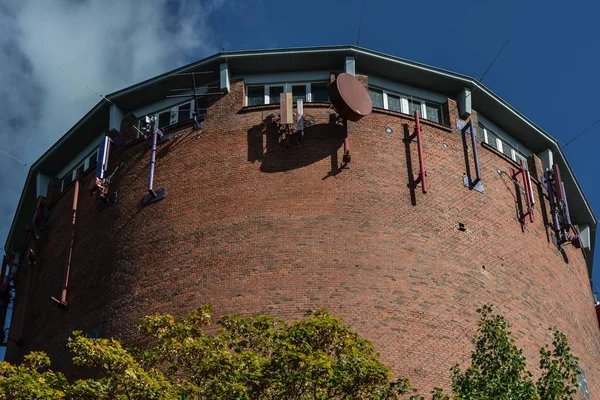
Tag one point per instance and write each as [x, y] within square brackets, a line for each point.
[253, 227]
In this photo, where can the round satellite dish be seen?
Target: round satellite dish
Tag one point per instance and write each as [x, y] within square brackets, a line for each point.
[349, 97]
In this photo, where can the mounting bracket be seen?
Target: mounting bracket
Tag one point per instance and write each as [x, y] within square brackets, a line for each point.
[473, 184]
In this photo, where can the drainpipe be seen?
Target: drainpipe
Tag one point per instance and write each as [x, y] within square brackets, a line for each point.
[63, 295]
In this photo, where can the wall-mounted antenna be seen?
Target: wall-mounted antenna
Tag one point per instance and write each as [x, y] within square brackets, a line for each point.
[153, 196]
[198, 113]
[102, 180]
[559, 208]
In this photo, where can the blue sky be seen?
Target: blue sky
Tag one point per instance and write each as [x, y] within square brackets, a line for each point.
[548, 71]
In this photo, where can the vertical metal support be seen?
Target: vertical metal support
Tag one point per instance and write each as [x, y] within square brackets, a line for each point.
[567, 214]
[528, 192]
[153, 196]
[346, 157]
[422, 178]
[152, 161]
[475, 153]
[551, 196]
[63, 294]
[473, 184]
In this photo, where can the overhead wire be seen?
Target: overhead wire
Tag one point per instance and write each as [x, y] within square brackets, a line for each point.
[582, 132]
[362, 11]
[72, 77]
[219, 29]
[14, 158]
[494, 60]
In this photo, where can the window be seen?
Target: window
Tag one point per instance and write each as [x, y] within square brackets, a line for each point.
[94, 333]
[394, 103]
[433, 112]
[84, 165]
[256, 95]
[175, 114]
[79, 170]
[184, 112]
[93, 159]
[414, 105]
[299, 93]
[488, 136]
[406, 105]
[319, 92]
[275, 94]
[376, 98]
[270, 94]
[67, 180]
[164, 119]
[583, 386]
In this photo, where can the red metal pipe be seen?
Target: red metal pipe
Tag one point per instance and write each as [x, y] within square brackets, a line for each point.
[63, 295]
[528, 192]
[422, 173]
[558, 183]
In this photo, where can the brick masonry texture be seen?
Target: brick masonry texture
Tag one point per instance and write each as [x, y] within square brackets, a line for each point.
[254, 227]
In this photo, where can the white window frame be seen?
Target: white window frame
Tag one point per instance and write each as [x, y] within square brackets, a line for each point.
[515, 155]
[174, 114]
[287, 88]
[86, 165]
[404, 103]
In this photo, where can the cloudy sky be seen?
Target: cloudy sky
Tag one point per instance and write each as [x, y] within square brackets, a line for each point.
[548, 71]
[108, 44]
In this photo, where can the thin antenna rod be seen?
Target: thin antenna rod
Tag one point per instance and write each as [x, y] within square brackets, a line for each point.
[582, 132]
[494, 60]
[14, 158]
[219, 28]
[362, 10]
[71, 76]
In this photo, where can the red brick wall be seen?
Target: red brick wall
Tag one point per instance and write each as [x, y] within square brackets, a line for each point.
[254, 227]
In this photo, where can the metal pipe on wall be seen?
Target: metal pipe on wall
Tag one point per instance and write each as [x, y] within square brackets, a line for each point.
[475, 153]
[422, 173]
[152, 161]
[63, 294]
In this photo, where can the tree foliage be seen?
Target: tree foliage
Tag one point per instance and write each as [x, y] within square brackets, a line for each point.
[498, 368]
[263, 357]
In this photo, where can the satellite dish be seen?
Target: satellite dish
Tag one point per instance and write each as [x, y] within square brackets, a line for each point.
[349, 97]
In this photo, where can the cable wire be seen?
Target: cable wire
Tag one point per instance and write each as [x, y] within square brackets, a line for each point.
[362, 10]
[71, 76]
[494, 60]
[14, 158]
[220, 33]
[582, 132]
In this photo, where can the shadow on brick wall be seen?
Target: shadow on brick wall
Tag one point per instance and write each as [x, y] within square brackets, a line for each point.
[270, 148]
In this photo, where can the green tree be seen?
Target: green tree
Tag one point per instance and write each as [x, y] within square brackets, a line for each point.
[559, 366]
[31, 380]
[498, 367]
[264, 357]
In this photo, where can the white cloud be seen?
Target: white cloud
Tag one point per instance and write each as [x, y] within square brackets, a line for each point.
[108, 44]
